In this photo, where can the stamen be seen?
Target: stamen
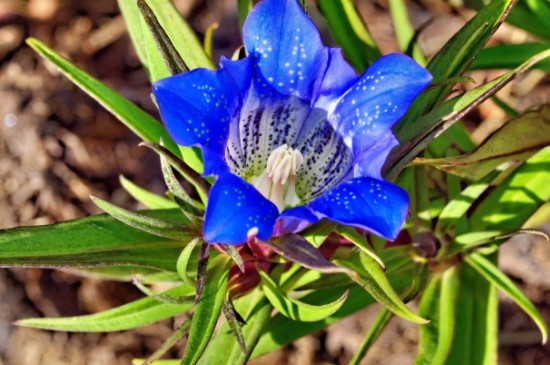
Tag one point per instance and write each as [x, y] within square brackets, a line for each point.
[277, 181]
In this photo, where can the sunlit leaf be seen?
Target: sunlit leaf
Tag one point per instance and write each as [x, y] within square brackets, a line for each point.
[135, 314]
[438, 304]
[149, 199]
[295, 309]
[208, 309]
[351, 32]
[504, 283]
[516, 140]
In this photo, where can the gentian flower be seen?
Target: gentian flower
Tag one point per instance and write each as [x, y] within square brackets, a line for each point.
[291, 133]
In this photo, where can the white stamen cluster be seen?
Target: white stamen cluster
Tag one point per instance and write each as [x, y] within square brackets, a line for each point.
[277, 181]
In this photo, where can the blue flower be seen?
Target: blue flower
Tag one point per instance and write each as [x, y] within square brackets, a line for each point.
[290, 132]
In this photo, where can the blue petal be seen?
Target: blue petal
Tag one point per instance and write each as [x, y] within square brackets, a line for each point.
[235, 211]
[339, 77]
[374, 205]
[286, 46]
[367, 112]
[197, 106]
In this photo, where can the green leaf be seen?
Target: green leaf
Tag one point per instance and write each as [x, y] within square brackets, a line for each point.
[244, 8]
[404, 30]
[457, 207]
[190, 174]
[172, 59]
[522, 16]
[234, 321]
[373, 279]
[158, 227]
[517, 198]
[491, 272]
[317, 233]
[438, 303]
[235, 255]
[135, 314]
[502, 146]
[137, 120]
[456, 55]
[437, 121]
[149, 199]
[183, 262]
[163, 298]
[350, 32]
[467, 241]
[380, 322]
[90, 242]
[256, 310]
[208, 309]
[354, 237]
[182, 330]
[281, 330]
[180, 33]
[510, 56]
[475, 339]
[295, 309]
[186, 204]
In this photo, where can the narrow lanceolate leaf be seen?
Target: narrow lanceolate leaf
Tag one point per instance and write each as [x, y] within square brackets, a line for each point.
[207, 311]
[203, 186]
[475, 338]
[517, 198]
[380, 322]
[438, 304]
[295, 309]
[456, 55]
[281, 331]
[504, 283]
[457, 207]
[354, 237]
[317, 233]
[234, 320]
[372, 278]
[182, 36]
[404, 30]
[135, 314]
[137, 120]
[235, 256]
[182, 330]
[183, 262]
[90, 242]
[467, 241]
[350, 32]
[181, 197]
[163, 298]
[158, 227]
[296, 249]
[502, 146]
[510, 56]
[244, 8]
[172, 59]
[419, 134]
[146, 197]
[256, 310]
[204, 255]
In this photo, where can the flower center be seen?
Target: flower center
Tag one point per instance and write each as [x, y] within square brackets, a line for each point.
[277, 181]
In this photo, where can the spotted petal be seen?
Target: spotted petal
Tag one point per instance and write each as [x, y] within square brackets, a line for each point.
[236, 211]
[377, 206]
[370, 108]
[286, 47]
[197, 106]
